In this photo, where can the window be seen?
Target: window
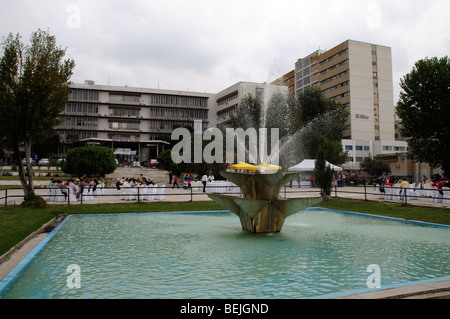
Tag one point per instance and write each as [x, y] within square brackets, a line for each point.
[358, 148]
[124, 125]
[123, 112]
[123, 98]
[348, 147]
[334, 56]
[81, 108]
[306, 72]
[305, 63]
[387, 148]
[195, 101]
[86, 95]
[367, 148]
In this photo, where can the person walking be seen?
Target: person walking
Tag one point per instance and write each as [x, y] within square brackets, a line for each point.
[204, 181]
[175, 181]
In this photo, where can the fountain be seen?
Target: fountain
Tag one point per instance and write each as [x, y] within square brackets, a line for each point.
[260, 209]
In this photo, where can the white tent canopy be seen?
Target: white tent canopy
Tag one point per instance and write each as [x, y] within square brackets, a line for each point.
[308, 165]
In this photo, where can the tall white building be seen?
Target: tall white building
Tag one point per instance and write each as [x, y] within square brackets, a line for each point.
[359, 76]
[227, 100]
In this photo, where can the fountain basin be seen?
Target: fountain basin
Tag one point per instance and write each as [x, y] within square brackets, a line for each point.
[206, 255]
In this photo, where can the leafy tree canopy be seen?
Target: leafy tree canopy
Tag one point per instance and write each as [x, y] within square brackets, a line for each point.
[424, 111]
[302, 123]
[374, 167]
[34, 88]
[323, 174]
[89, 161]
[248, 113]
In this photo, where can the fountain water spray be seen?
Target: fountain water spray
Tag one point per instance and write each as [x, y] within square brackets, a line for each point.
[260, 209]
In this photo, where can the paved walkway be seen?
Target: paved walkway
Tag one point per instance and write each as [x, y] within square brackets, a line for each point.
[15, 197]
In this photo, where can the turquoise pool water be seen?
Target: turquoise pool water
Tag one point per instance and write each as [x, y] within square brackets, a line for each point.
[318, 253]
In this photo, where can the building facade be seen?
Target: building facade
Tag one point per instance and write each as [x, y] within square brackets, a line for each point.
[359, 76]
[226, 101]
[135, 122]
[306, 72]
[287, 80]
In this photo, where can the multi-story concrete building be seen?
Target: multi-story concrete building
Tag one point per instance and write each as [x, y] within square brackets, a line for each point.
[135, 122]
[226, 101]
[359, 76]
[307, 72]
[287, 80]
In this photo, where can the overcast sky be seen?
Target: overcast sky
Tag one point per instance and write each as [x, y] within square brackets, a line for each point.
[208, 45]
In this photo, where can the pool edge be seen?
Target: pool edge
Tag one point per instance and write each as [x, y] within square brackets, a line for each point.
[4, 283]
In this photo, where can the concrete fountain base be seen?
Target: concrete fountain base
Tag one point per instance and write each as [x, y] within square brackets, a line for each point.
[260, 210]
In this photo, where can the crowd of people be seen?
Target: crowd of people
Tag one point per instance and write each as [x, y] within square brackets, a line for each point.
[75, 187]
[188, 179]
[341, 179]
[173, 181]
[436, 182]
[133, 182]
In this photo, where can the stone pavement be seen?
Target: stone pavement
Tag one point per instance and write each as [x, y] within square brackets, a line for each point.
[161, 177]
[15, 197]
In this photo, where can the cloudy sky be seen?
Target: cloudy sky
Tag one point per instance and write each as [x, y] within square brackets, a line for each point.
[208, 45]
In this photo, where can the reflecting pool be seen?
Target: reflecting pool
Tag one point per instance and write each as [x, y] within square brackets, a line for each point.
[208, 255]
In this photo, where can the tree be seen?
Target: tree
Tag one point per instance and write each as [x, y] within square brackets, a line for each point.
[248, 113]
[47, 145]
[424, 111]
[278, 113]
[90, 161]
[323, 174]
[165, 159]
[302, 124]
[312, 103]
[374, 167]
[34, 88]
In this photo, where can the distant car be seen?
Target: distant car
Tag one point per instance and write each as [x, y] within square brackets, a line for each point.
[153, 163]
[44, 161]
[32, 161]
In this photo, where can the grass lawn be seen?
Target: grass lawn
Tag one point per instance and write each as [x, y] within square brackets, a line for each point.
[396, 210]
[18, 222]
